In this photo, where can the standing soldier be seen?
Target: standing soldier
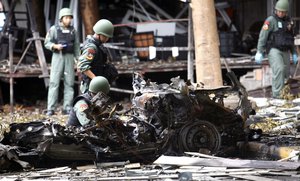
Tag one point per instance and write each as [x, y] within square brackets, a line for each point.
[63, 41]
[93, 59]
[276, 38]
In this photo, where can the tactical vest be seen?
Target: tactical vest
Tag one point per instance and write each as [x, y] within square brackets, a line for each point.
[99, 60]
[283, 38]
[66, 38]
[73, 120]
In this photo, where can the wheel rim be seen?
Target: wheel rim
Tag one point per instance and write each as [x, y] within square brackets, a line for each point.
[200, 136]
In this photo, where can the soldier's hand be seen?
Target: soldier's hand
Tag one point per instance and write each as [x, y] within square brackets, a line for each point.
[258, 57]
[295, 58]
[58, 46]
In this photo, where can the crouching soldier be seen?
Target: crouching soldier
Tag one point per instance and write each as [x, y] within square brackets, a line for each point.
[84, 110]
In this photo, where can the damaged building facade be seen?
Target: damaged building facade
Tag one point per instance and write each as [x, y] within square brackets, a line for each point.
[138, 26]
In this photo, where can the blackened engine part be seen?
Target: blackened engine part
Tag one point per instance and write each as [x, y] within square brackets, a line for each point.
[179, 108]
[78, 152]
[98, 108]
[200, 136]
[27, 134]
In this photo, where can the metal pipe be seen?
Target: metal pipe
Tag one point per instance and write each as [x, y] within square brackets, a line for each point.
[147, 22]
[23, 55]
[144, 10]
[121, 90]
[11, 80]
[260, 149]
[190, 62]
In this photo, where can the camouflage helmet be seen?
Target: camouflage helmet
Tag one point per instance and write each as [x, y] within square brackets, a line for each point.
[104, 27]
[65, 12]
[99, 84]
[282, 5]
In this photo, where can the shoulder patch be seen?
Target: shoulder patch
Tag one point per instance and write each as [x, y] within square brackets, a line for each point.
[90, 54]
[83, 107]
[265, 27]
[90, 50]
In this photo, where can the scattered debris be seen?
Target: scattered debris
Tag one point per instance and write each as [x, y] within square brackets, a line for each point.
[225, 162]
[176, 123]
[275, 116]
[171, 168]
[164, 119]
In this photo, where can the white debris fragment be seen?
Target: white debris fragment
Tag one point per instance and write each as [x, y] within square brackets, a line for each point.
[296, 101]
[260, 102]
[289, 125]
[277, 102]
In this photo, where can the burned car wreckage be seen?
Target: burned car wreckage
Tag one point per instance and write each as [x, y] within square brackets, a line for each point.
[164, 119]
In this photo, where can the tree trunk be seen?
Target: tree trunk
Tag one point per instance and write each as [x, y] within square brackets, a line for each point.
[38, 9]
[207, 55]
[90, 14]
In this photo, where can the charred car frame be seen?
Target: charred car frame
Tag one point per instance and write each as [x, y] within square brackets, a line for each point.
[164, 119]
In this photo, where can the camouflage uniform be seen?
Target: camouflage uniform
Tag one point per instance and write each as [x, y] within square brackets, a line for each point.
[62, 65]
[78, 116]
[278, 49]
[82, 104]
[93, 57]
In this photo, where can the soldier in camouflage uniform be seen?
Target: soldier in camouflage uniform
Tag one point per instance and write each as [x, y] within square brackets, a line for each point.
[78, 115]
[63, 41]
[93, 56]
[276, 38]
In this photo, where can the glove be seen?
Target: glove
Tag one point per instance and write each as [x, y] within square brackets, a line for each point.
[258, 57]
[295, 58]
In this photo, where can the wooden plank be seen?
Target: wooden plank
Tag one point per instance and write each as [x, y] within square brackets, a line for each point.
[253, 177]
[201, 155]
[55, 170]
[203, 168]
[186, 161]
[207, 178]
[38, 44]
[211, 169]
[111, 164]
[155, 177]
[281, 173]
[86, 167]
[41, 56]
[132, 165]
[218, 174]
[143, 172]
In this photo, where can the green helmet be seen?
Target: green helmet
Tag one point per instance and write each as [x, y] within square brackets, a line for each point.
[282, 5]
[99, 84]
[65, 12]
[104, 27]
